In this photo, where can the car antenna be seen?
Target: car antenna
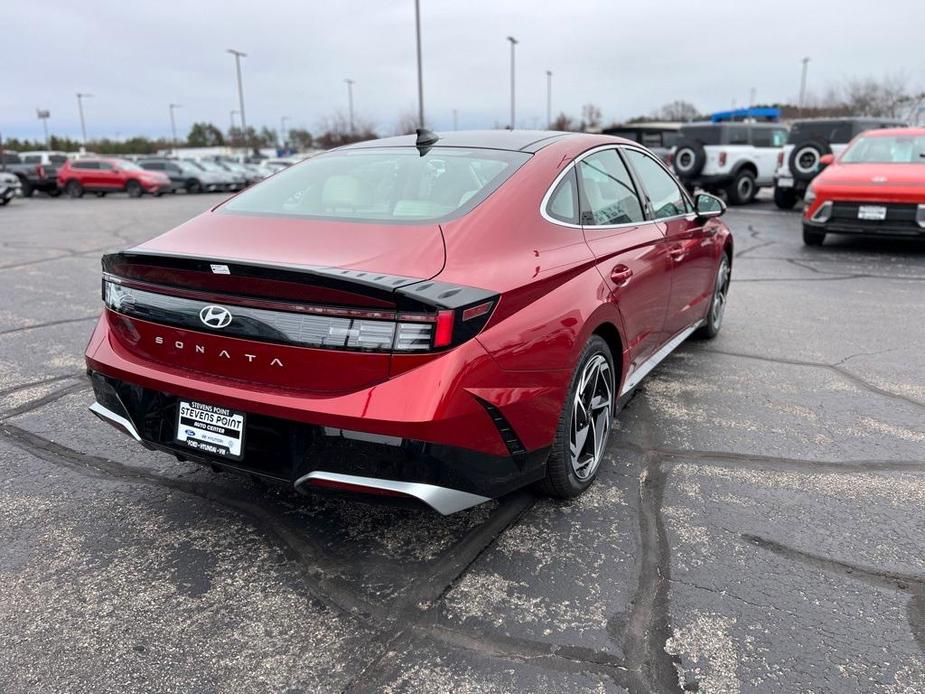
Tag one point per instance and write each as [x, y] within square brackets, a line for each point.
[425, 140]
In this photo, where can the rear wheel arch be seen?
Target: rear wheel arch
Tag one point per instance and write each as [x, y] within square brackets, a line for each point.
[746, 165]
[609, 332]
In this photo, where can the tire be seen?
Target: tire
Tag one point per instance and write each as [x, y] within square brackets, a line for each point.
[100, 194]
[742, 190]
[812, 237]
[27, 188]
[785, 198]
[804, 159]
[565, 477]
[54, 192]
[193, 186]
[689, 158]
[134, 189]
[74, 189]
[717, 308]
[4, 201]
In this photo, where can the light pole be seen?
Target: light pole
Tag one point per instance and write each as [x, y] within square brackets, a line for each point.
[282, 131]
[805, 62]
[455, 119]
[237, 63]
[417, 27]
[549, 99]
[232, 113]
[350, 103]
[44, 115]
[513, 43]
[173, 126]
[80, 108]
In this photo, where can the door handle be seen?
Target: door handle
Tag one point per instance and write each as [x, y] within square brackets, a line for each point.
[620, 275]
[676, 252]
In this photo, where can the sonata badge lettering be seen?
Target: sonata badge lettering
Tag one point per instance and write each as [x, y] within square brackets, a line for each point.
[215, 316]
[222, 353]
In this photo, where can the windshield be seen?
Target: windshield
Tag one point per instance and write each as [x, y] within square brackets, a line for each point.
[394, 184]
[895, 149]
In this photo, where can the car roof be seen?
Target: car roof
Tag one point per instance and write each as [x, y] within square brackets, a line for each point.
[513, 140]
[732, 124]
[893, 132]
[848, 119]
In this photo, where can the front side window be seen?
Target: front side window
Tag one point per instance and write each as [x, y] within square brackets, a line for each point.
[104, 165]
[610, 196]
[893, 149]
[664, 193]
[736, 135]
[85, 165]
[563, 203]
[705, 134]
[32, 159]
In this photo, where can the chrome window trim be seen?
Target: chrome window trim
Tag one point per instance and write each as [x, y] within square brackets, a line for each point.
[576, 160]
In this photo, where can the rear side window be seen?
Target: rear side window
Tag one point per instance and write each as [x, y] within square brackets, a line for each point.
[609, 194]
[57, 159]
[706, 134]
[384, 184]
[768, 137]
[32, 159]
[736, 136]
[563, 203]
[152, 165]
[85, 165]
[664, 193]
[832, 132]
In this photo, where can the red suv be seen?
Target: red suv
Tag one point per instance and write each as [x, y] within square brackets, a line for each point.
[101, 176]
[443, 318]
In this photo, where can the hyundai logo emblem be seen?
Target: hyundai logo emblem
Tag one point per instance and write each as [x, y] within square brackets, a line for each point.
[215, 316]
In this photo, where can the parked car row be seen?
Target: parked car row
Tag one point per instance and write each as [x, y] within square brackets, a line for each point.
[23, 173]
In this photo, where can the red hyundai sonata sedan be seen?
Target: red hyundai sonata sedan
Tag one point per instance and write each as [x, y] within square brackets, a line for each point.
[446, 318]
[876, 188]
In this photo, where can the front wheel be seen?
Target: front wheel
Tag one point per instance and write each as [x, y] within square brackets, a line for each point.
[134, 189]
[585, 423]
[785, 198]
[811, 237]
[74, 189]
[714, 319]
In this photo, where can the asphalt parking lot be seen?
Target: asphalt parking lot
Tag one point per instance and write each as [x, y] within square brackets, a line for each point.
[756, 527]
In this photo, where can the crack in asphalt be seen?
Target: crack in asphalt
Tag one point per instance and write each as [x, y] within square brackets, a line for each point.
[835, 368]
[906, 583]
[49, 324]
[40, 382]
[42, 401]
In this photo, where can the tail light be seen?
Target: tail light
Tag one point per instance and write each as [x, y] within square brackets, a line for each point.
[40, 170]
[669, 158]
[722, 159]
[302, 325]
[780, 158]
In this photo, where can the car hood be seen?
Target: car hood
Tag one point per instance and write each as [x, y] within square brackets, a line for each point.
[901, 175]
[414, 251]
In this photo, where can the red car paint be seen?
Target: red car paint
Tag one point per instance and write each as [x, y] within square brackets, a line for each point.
[109, 176]
[551, 286]
[900, 187]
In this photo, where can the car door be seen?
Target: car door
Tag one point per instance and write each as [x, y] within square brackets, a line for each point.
[767, 143]
[690, 247]
[107, 177]
[629, 249]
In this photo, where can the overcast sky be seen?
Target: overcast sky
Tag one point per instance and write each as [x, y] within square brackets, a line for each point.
[627, 57]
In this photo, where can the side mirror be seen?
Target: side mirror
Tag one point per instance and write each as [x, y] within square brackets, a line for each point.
[708, 206]
[825, 160]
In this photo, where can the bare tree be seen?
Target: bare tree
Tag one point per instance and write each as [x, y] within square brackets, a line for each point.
[564, 122]
[407, 123]
[335, 131]
[879, 98]
[678, 110]
[590, 117]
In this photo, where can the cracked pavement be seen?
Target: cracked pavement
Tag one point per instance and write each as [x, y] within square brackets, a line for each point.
[757, 525]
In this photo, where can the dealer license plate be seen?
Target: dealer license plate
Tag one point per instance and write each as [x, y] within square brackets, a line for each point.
[872, 212]
[210, 429]
[785, 183]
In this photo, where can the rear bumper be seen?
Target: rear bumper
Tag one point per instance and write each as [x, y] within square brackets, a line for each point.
[459, 420]
[446, 478]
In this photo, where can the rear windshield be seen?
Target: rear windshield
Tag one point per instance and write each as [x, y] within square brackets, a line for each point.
[706, 134]
[833, 132]
[388, 184]
[896, 149]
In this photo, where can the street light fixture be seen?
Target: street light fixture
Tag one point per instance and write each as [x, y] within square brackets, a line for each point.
[44, 115]
[237, 63]
[513, 43]
[350, 102]
[173, 126]
[80, 108]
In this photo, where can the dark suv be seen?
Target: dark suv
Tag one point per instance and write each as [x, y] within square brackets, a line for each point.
[659, 138]
[809, 140]
[182, 176]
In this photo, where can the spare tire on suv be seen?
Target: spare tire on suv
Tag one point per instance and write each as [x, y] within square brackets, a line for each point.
[689, 158]
[804, 159]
